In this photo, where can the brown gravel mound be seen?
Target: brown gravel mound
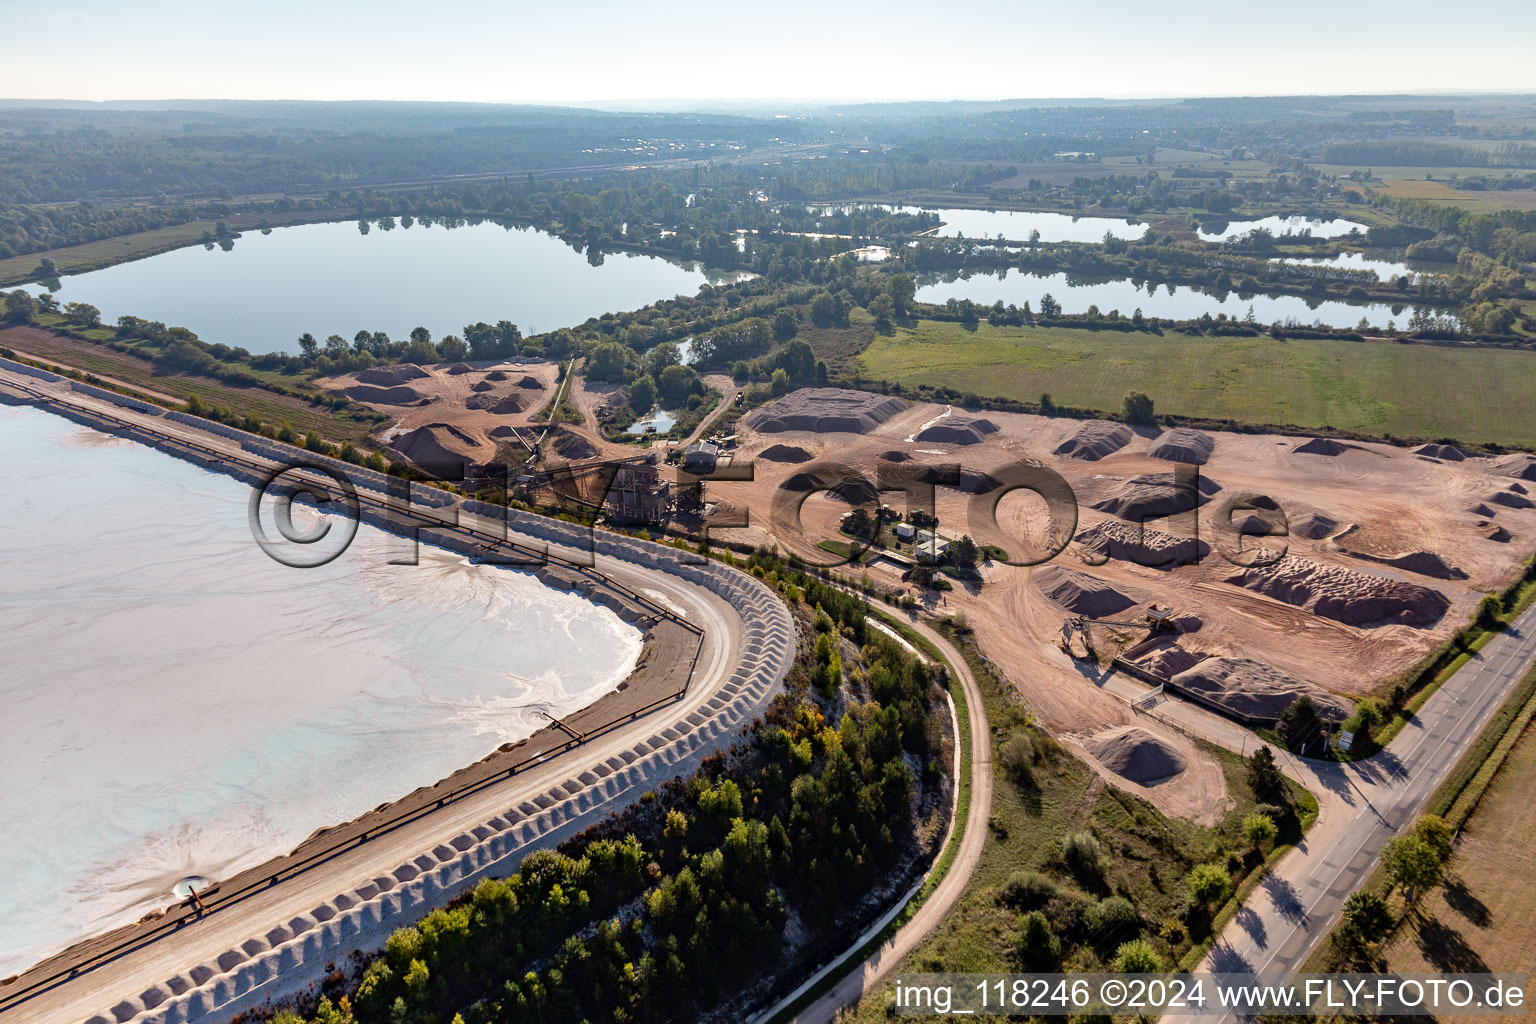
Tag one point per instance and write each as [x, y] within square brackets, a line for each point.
[825, 411]
[399, 395]
[458, 368]
[1251, 688]
[853, 490]
[388, 376]
[1494, 532]
[1135, 754]
[1480, 510]
[1152, 496]
[1509, 499]
[1094, 440]
[958, 430]
[1323, 446]
[483, 386]
[1081, 593]
[1167, 659]
[501, 406]
[573, 446]
[1313, 525]
[437, 443]
[1191, 447]
[1345, 595]
[529, 382]
[1444, 452]
[785, 453]
[496, 375]
[895, 456]
[1516, 465]
[1151, 548]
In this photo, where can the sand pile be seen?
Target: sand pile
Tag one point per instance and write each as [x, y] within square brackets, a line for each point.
[529, 382]
[855, 490]
[1313, 525]
[1251, 688]
[388, 376]
[1509, 499]
[496, 375]
[826, 411]
[398, 395]
[1154, 496]
[573, 447]
[785, 453]
[958, 430]
[1493, 532]
[1480, 510]
[1180, 445]
[895, 456]
[458, 368]
[483, 386]
[1167, 659]
[1135, 754]
[1516, 465]
[507, 406]
[1323, 446]
[1094, 440]
[439, 443]
[1345, 595]
[1151, 548]
[1444, 452]
[1081, 593]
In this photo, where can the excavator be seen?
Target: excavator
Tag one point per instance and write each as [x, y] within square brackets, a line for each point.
[1156, 620]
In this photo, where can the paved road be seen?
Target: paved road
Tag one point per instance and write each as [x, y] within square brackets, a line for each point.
[942, 900]
[145, 967]
[1297, 905]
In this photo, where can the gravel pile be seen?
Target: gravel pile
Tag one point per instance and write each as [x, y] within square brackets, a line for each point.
[1191, 447]
[1094, 440]
[825, 411]
[1135, 754]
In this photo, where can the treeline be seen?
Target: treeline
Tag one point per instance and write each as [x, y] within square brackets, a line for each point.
[671, 908]
[1414, 153]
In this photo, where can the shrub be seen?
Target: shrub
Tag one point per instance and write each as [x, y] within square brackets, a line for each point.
[1028, 890]
[1036, 947]
[1209, 884]
[1137, 957]
[1016, 757]
[1081, 852]
[1112, 916]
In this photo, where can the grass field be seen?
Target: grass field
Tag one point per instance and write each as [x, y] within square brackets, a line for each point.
[1481, 919]
[1472, 394]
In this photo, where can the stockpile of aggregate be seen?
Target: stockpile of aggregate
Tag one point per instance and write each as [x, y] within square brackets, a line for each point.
[1141, 545]
[825, 411]
[1153, 496]
[1323, 446]
[389, 376]
[501, 406]
[958, 430]
[398, 395]
[438, 442]
[895, 456]
[785, 453]
[528, 381]
[1345, 595]
[1094, 440]
[1510, 499]
[458, 368]
[1191, 447]
[483, 386]
[1443, 452]
[1249, 687]
[1518, 465]
[1134, 753]
[855, 490]
[1081, 593]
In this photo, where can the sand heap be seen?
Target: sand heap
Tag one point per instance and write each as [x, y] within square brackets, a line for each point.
[855, 490]
[483, 386]
[572, 446]
[1153, 496]
[1425, 563]
[527, 381]
[1517, 465]
[1180, 445]
[458, 368]
[1509, 499]
[785, 453]
[496, 375]
[1166, 659]
[895, 456]
[825, 411]
[441, 443]
[1444, 452]
[958, 430]
[1480, 509]
[1094, 440]
[1323, 446]
[1143, 546]
[1135, 754]
[388, 376]
[500, 406]
[1081, 593]
[1252, 688]
[398, 395]
[1313, 525]
[1493, 531]
[970, 481]
[1345, 595]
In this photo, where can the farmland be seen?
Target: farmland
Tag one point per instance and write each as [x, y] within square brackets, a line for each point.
[1476, 395]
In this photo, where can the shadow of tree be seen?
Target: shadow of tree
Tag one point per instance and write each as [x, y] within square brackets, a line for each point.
[1226, 960]
[1465, 902]
[1445, 949]
[1253, 924]
[1285, 898]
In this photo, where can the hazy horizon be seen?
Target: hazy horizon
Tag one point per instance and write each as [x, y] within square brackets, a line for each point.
[669, 54]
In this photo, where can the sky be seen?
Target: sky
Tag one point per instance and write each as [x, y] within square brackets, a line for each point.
[618, 53]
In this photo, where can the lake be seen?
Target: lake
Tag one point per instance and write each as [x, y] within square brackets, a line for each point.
[1015, 225]
[1168, 301]
[1278, 226]
[178, 703]
[332, 279]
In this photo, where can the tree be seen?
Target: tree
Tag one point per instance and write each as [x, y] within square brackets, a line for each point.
[1300, 723]
[902, 290]
[883, 310]
[1209, 884]
[1412, 864]
[642, 395]
[608, 361]
[780, 381]
[965, 552]
[421, 334]
[309, 347]
[1366, 718]
[676, 383]
[1367, 918]
[662, 356]
[20, 307]
[335, 346]
[1017, 757]
[420, 351]
[1264, 776]
[452, 348]
[83, 313]
[1037, 948]
[1436, 833]
[1137, 957]
[1259, 829]
[1138, 408]
[828, 310]
[785, 325]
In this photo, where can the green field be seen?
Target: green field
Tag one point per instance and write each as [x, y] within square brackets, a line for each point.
[1472, 394]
